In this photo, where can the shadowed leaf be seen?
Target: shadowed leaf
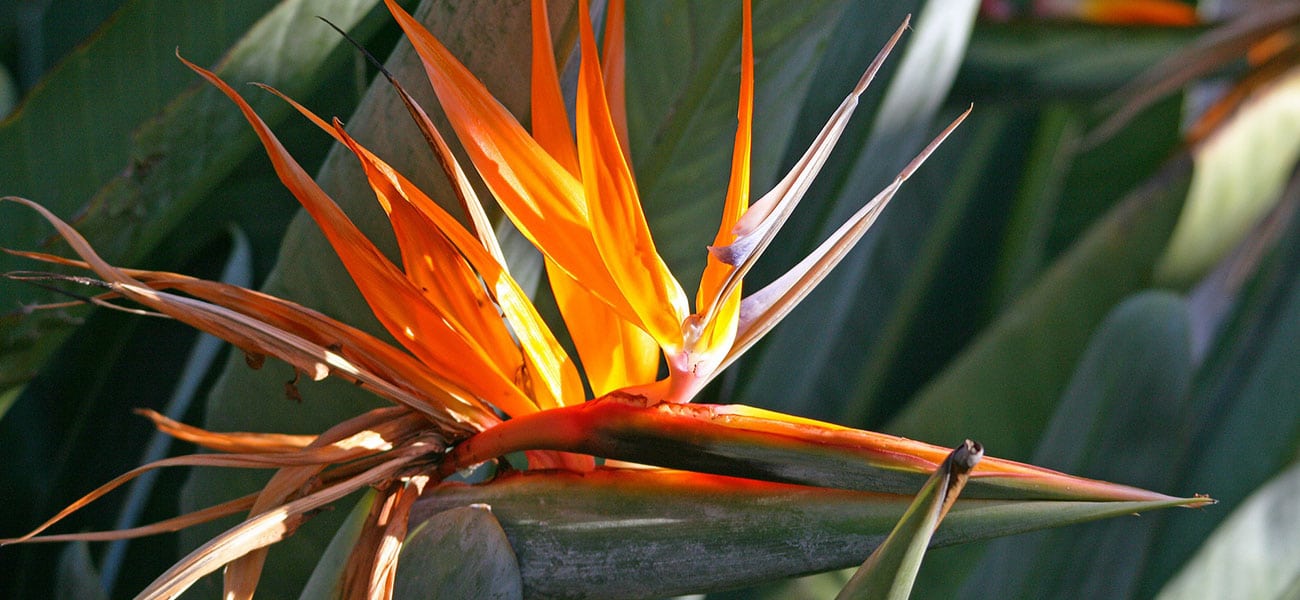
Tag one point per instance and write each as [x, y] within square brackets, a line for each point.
[1125, 416]
[1255, 553]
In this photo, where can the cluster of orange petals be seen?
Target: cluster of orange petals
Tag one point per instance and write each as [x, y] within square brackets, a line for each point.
[478, 369]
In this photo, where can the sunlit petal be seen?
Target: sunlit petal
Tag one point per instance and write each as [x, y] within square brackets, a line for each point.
[550, 122]
[544, 357]
[613, 60]
[719, 314]
[622, 236]
[614, 353]
[399, 305]
[542, 353]
[539, 195]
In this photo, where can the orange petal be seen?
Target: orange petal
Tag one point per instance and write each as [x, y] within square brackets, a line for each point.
[720, 314]
[614, 67]
[617, 223]
[435, 266]
[398, 304]
[539, 195]
[1138, 12]
[550, 121]
[543, 356]
[615, 354]
[553, 374]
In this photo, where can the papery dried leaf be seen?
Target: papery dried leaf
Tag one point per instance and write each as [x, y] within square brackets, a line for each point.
[397, 423]
[270, 527]
[178, 523]
[252, 333]
[227, 441]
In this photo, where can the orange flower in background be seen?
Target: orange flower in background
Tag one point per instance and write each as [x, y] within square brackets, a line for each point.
[1164, 13]
[479, 373]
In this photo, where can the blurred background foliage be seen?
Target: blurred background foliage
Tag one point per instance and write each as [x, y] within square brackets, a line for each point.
[1121, 307]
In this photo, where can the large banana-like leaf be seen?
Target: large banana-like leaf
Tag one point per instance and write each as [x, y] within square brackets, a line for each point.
[1246, 423]
[1062, 61]
[119, 135]
[1136, 372]
[1255, 553]
[181, 144]
[307, 272]
[1004, 386]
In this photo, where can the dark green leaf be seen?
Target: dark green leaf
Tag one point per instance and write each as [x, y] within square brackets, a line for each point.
[1003, 388]
[78, 578]
[127, 196]
[1033, 62]
[1126, 416]
[1255, 553]
[1247, 426]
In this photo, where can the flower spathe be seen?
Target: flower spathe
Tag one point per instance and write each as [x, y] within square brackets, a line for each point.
[479, 373]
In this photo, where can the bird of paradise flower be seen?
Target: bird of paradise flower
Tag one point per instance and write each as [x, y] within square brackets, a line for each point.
[479, 374]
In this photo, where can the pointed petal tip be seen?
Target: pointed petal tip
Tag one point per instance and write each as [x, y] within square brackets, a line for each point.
[1030, 479]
